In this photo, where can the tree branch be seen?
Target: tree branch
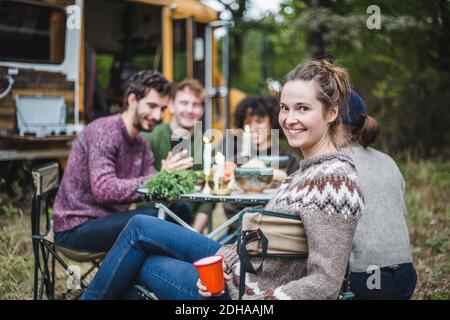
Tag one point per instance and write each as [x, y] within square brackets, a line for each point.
[226, 5]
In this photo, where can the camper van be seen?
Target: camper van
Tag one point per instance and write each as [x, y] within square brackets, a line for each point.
[64, 63]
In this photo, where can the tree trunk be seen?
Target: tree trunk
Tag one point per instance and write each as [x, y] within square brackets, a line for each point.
[316, 39]
[444, 42]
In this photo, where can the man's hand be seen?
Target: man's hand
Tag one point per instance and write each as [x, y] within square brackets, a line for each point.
[177, 162]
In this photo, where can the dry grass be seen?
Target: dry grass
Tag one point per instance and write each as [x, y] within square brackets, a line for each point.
[428, 194]
[16, 259]
[17, 262]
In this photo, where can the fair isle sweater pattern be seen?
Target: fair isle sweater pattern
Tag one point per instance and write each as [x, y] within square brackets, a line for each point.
[328, 185]
[324, 192]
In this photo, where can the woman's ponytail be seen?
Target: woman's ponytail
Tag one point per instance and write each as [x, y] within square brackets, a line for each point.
[367, 134]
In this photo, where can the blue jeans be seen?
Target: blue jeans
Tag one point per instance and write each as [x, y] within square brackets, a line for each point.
[156, 254]
[396, 284]
[99, 235]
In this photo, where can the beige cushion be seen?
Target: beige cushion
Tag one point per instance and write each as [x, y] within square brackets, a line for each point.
[80, 256]
[75, 255]
[286, 236]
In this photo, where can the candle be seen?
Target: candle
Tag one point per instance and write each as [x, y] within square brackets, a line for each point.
[220, 170]
[220, 161]
[246, 142]
[207, 157]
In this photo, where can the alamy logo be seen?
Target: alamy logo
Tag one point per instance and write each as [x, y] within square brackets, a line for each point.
[374, 281]
[374, 20]
[227, 142]
[73, 17]
[74, 275]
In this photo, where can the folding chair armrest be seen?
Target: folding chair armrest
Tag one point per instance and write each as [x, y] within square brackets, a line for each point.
[146, 294]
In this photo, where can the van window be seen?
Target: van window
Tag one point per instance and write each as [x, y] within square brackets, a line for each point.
[31, 33]
[179, 50]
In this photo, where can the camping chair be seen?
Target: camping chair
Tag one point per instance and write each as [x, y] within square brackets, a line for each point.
[344, 294]
[46, 181]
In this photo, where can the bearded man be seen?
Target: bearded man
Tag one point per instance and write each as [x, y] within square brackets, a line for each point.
[108, 162]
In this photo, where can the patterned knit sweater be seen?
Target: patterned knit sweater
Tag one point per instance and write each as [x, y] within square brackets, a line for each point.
[324, 192]
[104, 170]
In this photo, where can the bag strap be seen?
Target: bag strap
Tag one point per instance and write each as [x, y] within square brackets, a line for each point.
[246, 265]
[271, 213]
[346, 284]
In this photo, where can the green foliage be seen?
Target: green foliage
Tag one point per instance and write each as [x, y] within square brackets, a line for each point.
[170, 184]
[437, 295]
[179, 66]
[104, 65]
[8, 210]
[438, 244]
[402, 70]
[427, 192]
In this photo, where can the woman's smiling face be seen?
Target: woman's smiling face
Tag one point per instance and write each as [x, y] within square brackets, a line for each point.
[302, 116]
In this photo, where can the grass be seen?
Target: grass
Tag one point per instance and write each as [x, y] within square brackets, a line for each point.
[428, 194]
[17, 262]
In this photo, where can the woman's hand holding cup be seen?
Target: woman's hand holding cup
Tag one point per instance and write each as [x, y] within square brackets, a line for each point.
[212, 276]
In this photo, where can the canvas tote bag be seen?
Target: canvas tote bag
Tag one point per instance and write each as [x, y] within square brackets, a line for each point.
[264, 233]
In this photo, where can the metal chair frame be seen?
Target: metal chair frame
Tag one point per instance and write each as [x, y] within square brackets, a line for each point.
[46, 181]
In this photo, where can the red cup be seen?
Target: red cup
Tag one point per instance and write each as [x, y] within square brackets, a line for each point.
[210, 271]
